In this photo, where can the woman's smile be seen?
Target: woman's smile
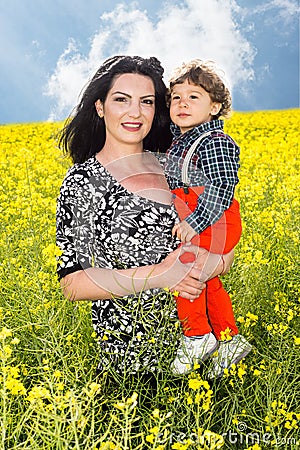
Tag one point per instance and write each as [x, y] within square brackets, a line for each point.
[132, 126]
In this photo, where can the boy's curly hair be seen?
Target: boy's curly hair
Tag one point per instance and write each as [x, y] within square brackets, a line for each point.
[204, 74]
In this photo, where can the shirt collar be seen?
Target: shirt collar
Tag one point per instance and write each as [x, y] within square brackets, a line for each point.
[195, 132]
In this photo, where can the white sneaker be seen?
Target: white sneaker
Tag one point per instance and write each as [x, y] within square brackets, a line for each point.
[193, 350]
[229, 352]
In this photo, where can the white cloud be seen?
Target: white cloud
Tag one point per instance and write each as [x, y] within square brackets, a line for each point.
[206, 29]
[286, 11]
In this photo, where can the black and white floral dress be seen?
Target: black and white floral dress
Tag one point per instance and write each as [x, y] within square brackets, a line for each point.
[101, 224]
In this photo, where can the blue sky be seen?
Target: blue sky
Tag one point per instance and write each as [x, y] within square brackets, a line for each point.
[49, 49]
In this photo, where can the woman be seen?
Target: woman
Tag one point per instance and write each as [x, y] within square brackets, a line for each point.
[115, 216]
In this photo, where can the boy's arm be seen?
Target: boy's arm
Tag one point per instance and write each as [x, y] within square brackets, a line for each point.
[219, 164]
[183, 231]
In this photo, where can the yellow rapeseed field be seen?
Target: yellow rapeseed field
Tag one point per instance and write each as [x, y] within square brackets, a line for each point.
[50, 398]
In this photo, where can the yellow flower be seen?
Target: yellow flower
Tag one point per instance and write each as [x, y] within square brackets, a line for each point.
[94, 388]
[290, 424]
[189, 400]
[150, 438]
[57, 374]
[107, 446]
[14, 371]
[120, 405]
[155, 413]
[6, 352]
[5, 332]
[178, 446]
[15, 386]
[226, 335]
[241, 370]
[297, 340]
[251, 316]
[195, 383]
[37, 393]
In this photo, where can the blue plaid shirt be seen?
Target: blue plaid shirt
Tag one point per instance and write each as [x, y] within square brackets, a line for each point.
[214, 165]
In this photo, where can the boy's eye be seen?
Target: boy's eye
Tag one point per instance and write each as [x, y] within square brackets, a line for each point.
[194, 96]
[175, 97]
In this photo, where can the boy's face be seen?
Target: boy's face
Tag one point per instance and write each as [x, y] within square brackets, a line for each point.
[191, 105]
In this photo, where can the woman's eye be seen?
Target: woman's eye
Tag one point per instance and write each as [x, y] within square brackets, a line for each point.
[120, 99]
[148, 101]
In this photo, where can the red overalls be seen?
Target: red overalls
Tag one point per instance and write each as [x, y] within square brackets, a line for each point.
[212, 311]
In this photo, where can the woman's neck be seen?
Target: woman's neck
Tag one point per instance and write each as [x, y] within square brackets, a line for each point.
[139, 173]
[110, 153]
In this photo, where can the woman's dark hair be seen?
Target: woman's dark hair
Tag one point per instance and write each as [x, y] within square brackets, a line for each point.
[84, 133]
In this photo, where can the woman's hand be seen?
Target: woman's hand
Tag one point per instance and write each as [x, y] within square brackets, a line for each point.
[183, 278]
[212, 264]
[188, 268]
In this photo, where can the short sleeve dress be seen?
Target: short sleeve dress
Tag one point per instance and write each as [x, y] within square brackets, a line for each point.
[101, 224]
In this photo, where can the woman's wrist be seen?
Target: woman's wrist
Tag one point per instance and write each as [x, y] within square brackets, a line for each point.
[157, 276]
[223, 265]
[227, 261]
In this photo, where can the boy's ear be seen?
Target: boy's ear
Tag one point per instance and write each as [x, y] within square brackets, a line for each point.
[215, 109]
[99, 108]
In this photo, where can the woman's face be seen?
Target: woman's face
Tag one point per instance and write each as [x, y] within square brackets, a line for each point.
[128, 110]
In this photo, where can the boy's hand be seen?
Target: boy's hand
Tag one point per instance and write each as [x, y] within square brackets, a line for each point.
[183, 231]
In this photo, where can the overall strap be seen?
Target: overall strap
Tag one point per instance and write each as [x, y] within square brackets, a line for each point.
[185, 165]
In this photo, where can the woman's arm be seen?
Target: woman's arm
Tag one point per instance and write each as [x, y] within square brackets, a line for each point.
[212, 264]
[97, 283]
